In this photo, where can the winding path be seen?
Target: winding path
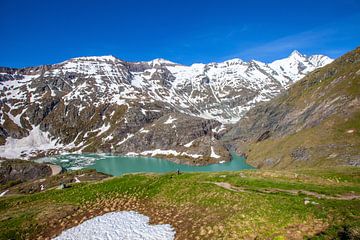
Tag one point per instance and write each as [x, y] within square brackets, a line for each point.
[230, 187]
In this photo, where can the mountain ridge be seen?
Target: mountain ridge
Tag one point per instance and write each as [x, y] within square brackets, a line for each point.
[313, 123]
[92, 104]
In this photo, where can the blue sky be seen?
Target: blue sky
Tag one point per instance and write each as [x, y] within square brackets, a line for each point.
[45, 32]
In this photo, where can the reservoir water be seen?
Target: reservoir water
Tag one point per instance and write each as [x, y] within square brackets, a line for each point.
[117, 165]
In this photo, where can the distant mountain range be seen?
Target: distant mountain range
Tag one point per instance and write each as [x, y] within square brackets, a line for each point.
[159, 108]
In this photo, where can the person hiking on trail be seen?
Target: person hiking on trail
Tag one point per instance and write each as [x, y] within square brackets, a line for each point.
[178, 171]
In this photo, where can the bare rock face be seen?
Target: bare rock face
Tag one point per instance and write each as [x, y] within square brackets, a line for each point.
[104, 104]
[20, 171]
[188, 137]
[263, 136]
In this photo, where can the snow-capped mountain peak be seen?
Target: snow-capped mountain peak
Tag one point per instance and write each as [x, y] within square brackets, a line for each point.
[319, 60]
[161, 62]
[95, 58]
[296, 54]
[223, 91]
[233, 61]
[297, 65]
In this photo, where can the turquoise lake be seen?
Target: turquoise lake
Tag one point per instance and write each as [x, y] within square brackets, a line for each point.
[117, 165]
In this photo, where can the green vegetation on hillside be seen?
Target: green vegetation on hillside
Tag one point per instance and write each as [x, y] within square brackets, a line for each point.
[307, 203]
[315, 123]
[327, 144]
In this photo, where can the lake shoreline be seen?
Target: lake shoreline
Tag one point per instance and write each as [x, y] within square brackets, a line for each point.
[118, 165]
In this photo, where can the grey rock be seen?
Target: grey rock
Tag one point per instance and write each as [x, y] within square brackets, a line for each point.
[20, 170]
[300, 154]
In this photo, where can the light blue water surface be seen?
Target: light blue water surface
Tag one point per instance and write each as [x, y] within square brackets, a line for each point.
[117, 165]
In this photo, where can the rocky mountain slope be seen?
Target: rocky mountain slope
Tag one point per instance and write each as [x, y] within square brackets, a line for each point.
[159, 108]
[13, 172]
[315, 122]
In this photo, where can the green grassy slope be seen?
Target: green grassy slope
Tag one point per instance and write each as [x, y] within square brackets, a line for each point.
[230, 205]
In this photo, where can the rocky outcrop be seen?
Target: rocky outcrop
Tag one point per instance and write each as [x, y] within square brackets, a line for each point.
[21, 171]
[185, 138]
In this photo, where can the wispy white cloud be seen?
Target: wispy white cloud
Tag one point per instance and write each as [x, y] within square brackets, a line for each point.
[331, 39]
[288, 43]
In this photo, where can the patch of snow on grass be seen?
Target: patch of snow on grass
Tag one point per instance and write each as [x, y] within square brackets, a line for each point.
[119, 225]
[3, 193]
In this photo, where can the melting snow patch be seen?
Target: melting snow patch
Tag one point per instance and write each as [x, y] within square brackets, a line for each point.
[169, 152]
[219, 129]
[160, 152]
[170, 120]
[142, 130]
[213, 154]
[16, 119]
[189, 144]
[103, 129]
[3, 193]
[119, 225]
[143, 111]
[131, 154]
[129, 135]
[109, 138]
[36, 141]
[191, 155]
